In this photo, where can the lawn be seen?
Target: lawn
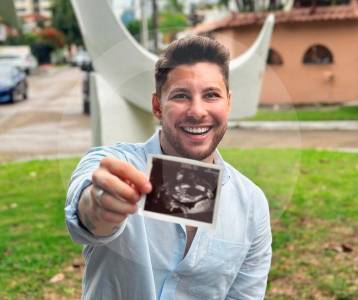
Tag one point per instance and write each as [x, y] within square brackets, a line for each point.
[323, 113]
[314, 207]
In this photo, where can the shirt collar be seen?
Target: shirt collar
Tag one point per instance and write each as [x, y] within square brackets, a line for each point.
[152, 146]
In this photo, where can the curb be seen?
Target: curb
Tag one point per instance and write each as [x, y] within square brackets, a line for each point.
[296, 125]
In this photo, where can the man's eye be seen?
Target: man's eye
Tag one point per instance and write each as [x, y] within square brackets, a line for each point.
[212, 95]
[180, 96]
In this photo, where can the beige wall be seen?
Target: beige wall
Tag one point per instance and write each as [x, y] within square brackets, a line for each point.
[45, 7]
[295, 82]
[25, 7]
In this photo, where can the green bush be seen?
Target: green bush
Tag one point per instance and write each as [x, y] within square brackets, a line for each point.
[23, 39]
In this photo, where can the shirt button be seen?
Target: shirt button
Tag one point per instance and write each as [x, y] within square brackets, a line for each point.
[175, 276]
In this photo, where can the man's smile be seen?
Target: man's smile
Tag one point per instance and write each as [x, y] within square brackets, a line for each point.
[196, 130]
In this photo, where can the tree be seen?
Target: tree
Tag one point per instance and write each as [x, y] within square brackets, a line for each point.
[64, 19]
[174, 6]
[52, 37]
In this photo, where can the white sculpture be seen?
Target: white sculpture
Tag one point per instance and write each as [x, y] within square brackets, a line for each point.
[122, 87]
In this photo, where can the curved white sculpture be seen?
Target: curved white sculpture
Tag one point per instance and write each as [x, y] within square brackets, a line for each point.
[122, 88]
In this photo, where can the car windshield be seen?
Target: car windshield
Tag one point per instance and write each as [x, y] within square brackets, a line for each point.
[8, 57]
[5, 72]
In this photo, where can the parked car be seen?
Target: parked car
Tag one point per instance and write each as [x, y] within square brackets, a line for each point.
[87, 68]
[81, 58]
[26, 62]
[13, 83]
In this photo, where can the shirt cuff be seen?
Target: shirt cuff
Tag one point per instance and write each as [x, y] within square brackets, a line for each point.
[80, 234]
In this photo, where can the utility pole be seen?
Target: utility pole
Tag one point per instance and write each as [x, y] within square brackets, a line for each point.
[155, 24]
[144, 25]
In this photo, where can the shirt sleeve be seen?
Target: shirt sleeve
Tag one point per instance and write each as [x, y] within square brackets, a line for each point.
[81, 179]
[251, 281]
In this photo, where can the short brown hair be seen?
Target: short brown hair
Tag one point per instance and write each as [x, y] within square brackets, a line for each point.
[189, 51]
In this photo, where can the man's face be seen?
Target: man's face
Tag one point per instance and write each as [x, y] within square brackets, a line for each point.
[193, 110]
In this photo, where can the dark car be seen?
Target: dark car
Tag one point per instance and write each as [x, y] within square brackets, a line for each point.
[87, 68]
[13, 84]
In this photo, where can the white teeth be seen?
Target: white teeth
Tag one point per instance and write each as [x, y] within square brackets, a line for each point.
[196, 130]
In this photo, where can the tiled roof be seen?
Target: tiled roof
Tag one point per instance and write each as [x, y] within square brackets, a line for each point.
[307, 14]
[35, 17]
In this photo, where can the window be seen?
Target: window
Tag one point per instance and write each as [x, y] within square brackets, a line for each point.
[274, 58]
[318, 55]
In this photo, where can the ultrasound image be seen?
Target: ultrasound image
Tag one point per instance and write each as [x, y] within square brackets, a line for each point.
[182, 190]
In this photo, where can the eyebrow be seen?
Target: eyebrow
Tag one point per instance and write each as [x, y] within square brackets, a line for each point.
[211, 89]
[179, 90]
[208, 89]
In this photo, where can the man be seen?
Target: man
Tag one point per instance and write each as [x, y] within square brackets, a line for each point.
[132, 257]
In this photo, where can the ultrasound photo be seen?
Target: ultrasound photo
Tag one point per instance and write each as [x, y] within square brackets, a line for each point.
[184, 191]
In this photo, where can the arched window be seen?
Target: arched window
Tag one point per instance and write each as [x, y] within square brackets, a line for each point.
[274, 58]
[318, 55]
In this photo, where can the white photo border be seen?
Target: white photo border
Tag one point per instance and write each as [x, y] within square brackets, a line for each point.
[175, 219]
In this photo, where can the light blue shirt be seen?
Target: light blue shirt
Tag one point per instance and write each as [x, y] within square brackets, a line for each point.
[143, 260]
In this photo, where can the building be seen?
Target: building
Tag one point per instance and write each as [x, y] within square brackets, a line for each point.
[9, 24]
[313, 57]
[28, 7]
[32, 12]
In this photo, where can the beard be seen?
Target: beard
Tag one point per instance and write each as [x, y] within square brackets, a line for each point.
[193, 152]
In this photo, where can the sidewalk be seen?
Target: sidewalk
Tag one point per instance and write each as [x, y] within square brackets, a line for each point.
[296, 125]
[328, 135]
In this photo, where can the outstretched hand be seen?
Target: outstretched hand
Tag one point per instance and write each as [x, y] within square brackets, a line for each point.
[116, 188]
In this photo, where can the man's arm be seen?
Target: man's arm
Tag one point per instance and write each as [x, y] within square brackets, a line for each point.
[251, 281]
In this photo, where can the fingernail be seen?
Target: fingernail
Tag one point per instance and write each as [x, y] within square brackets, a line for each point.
[148, 186]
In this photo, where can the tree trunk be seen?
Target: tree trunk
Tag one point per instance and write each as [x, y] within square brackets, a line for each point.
[155, 24]
[144, 25]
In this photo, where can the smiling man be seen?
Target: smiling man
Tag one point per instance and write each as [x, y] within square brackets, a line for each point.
[192, 105]
[129, 256]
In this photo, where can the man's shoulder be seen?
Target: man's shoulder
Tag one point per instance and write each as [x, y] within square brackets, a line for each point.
[131, 152]
[236, 177]
[246, 187]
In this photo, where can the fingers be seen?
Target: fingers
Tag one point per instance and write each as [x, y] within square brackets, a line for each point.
[115, 186]
[111, 217]
[109, 209]
[114, 205]
[127, 172]
[122, 184]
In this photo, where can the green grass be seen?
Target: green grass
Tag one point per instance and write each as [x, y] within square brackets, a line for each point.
[313, 201]
[34, 243]
[314, 206]
[324, 113]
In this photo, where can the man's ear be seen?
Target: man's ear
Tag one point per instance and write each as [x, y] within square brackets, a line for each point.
[229, 97]
[156, 109]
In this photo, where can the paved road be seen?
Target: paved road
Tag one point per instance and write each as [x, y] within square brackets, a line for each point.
[51, 124]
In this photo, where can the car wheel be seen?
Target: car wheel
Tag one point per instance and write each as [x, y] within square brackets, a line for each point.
[13, 97]
[16, 94]
[24, 91]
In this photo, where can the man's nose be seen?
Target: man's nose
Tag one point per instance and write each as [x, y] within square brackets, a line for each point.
[197, 108]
